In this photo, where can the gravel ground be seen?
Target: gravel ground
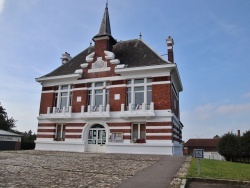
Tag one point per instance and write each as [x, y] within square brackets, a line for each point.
[64, 169]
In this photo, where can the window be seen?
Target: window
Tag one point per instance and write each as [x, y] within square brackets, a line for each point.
[139, 91]
[63, 98]
[60, 132]
[98, 95]
[138, 131]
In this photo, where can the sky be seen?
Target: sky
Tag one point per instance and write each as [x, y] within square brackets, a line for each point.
[211, 49]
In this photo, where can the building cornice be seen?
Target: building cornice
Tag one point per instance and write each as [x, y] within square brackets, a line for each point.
[146, 68]
[41, 79]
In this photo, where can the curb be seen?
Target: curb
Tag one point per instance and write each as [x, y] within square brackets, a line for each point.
[178, 180]
[183, 183]
[219, 181]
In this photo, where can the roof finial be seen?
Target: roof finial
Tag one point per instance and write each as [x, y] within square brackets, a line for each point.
[90, 44]
[107, 2]
[140, 35]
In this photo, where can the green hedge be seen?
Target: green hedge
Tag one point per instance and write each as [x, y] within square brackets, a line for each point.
[27, 145]
[235, 148]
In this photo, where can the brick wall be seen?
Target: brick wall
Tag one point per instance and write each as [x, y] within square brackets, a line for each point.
[161, 96]
[99, 48]
[158, 137]
[115, 105]
[47, 100]
[76, 106]
[159, 124]
[44, 130]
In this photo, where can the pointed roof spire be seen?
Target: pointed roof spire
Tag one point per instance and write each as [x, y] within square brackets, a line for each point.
[105, 32]
[105, 25]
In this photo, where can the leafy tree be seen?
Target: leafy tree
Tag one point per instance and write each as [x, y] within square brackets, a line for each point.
[28, 140]
[6, 123]
[216, 137]
[229, 147]
[245, 145]
[28, 136]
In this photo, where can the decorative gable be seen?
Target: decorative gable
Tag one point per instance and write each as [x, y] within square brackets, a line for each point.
[99, 66]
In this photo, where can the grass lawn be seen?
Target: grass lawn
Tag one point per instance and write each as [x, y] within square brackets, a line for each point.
[219, 170]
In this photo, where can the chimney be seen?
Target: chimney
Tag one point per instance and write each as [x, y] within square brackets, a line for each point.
[170, 44]
[238, 133]
[65, 57]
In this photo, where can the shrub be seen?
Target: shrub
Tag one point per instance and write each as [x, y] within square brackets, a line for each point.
[229, 147]
[235, 148]
[27, 145]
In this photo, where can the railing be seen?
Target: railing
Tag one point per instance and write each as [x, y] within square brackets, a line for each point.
[57, 113]
[55, 110]
[137, 110]
[138, 107]
[95, 111]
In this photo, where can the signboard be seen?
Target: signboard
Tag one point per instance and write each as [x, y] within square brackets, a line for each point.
[117, 137]
[198, 153]
[10, 138]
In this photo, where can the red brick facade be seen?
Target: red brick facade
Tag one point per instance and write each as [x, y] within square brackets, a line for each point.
[47, 100]
[115, 105]
[164, 101]
[76, 106]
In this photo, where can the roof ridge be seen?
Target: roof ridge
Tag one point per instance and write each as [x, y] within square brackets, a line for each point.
[154, 51]
[127, 40]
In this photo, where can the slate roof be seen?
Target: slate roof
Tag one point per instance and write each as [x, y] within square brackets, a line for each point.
[202, 143]
[6, 133]
[133, 53]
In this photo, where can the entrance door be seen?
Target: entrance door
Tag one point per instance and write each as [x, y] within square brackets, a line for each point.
[97, 138]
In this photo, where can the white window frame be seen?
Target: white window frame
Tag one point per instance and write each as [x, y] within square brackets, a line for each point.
[62, 132]
[139, 130]
[132, 85]
[59, 97]
[93, 88]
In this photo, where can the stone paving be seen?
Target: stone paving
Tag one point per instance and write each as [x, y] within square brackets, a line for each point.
[181, 174]
[66, 169]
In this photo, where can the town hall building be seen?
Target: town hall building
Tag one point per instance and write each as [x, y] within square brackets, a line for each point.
[113, 97]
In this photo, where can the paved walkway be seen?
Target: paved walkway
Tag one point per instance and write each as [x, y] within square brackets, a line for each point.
[158, 175]
[64, 169]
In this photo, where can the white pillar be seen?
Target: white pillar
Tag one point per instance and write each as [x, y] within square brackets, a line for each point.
[143, 107]
[122, 108]
[152, 107]
[130, 107]
[108, 108]
[82, 109]
[48, 110]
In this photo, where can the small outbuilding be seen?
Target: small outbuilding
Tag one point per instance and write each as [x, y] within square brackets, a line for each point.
[10, 141]
[208, 145]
